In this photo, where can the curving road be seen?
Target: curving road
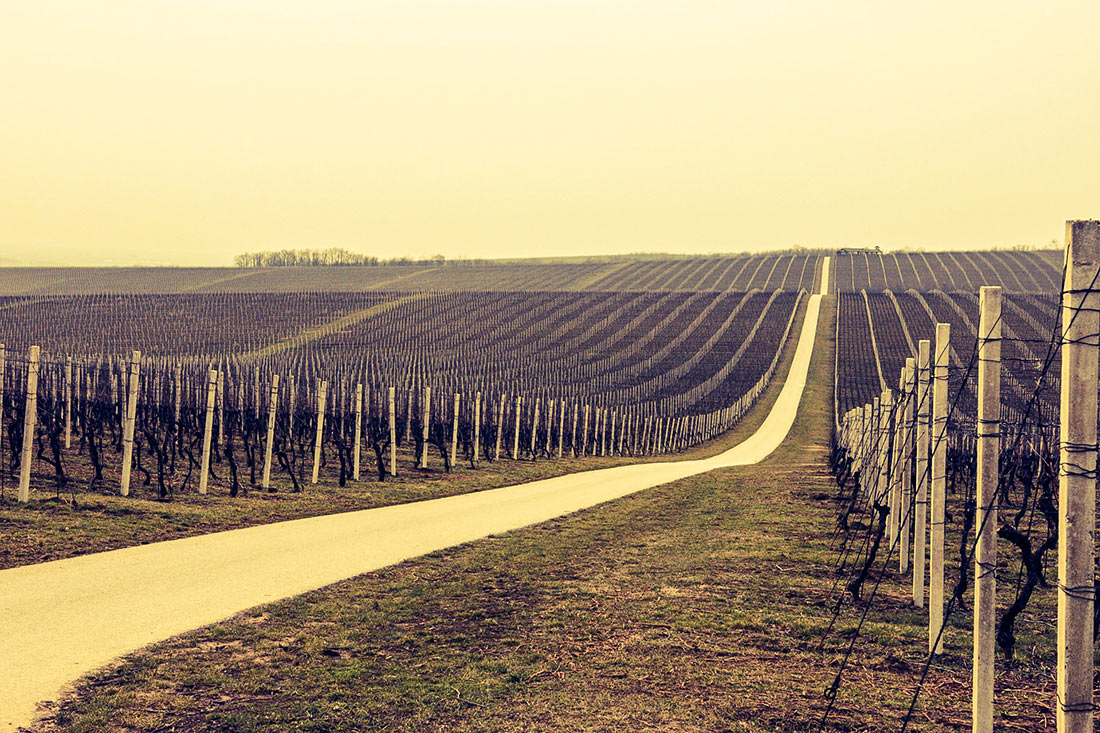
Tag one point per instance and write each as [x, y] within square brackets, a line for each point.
[64, 619]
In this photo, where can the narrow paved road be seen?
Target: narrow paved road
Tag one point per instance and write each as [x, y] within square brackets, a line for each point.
[64, 619]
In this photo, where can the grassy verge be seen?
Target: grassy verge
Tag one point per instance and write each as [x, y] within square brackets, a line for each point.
[60, 526]
[699, 605]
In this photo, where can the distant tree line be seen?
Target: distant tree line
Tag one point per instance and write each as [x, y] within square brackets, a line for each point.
[333, 257]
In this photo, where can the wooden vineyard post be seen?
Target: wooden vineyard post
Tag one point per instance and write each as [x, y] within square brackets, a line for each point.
[425, 425]
[595, 432]
[573, 432]
[221, 406]
[128, 424]
[476, 459]
[603, 427]
[391, 404]
[454, 432]
[515, 438]
[534, 429]
[30, 420]
[906, 524]
[68, 402]
[322, 399]
[500, 427]
[939, 487]
[272, 409]
[549, 425]
[177, 389]
[611, 438]
[985, 520]
[1077, 476]
[561, 425]
[408, 416]
[920, 505]
[357, 449]
[584, 433]
[208, 429]
[292, 397]
[256, 394]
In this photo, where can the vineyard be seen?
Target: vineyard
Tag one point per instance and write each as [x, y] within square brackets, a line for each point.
[958, 469]
[947, 403]
[231, 392]
[1012, 270]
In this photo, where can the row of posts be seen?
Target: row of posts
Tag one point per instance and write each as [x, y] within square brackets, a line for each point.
[647, 435]
[893, 440]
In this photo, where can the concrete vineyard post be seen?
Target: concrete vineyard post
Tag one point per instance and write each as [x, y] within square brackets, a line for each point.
[68, 402]
[906, 524]
[391, 405]
[30, 419]
[893, 526]
[477, 430]
[939, 487]
[272, 407]
[322, 399]
[1077, 476]
[357, 448]
[867, 425]
[454, 432]
[425, 424]
[128, 424]
[985, 520]
[886, 403]
[920, 505]
[515, 436]
[208, 429]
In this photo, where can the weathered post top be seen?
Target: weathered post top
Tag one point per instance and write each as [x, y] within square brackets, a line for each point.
[1083, 241]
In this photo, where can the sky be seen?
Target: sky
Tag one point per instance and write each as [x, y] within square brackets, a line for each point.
[187, 131]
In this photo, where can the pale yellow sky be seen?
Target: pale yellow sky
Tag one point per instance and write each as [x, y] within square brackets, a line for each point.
[184, 132]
